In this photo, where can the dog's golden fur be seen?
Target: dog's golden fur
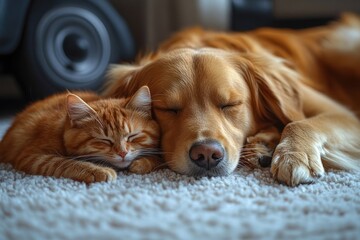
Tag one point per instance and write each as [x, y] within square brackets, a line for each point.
[229, 86]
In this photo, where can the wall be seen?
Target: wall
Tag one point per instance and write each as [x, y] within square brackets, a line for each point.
[152, 21]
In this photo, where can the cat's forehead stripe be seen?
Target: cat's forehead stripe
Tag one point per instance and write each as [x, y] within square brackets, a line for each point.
[116, 120]
[113, 121]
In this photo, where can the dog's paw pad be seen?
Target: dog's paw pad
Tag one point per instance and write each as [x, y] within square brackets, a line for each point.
[265, 161]
[258, 150]
[256, 155]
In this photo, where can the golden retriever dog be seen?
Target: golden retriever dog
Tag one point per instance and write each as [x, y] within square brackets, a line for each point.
[214, 92]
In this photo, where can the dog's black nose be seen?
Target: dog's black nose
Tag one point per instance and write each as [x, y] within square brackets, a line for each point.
[206, 154]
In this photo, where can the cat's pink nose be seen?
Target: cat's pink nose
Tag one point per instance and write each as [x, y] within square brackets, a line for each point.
[122, 154]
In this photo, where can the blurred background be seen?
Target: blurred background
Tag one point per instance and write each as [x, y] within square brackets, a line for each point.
[51, 45]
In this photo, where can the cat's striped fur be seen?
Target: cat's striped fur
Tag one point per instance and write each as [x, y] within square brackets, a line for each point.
[83, 137]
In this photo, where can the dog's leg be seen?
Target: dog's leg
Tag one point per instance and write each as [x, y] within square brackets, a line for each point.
[258, 150]
[328, 138]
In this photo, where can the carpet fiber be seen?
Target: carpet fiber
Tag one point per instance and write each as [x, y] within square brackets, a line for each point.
[166, 205]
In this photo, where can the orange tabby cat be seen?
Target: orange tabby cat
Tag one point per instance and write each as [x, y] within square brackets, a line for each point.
[79, 137]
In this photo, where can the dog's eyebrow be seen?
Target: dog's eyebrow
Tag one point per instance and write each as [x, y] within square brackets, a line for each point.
[227, 97]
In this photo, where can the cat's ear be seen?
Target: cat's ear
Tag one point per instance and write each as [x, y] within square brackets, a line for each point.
[78, 109]
[141, 100]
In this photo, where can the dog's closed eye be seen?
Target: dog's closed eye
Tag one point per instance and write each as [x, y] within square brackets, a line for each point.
[169, 110]
[230, 105]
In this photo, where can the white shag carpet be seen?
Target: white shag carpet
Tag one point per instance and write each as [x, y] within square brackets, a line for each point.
[165, 205]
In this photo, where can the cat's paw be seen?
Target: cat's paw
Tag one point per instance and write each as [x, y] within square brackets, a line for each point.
[258, 149]
[141, 166]
[256, 155]
[99, 174]
[294, 166]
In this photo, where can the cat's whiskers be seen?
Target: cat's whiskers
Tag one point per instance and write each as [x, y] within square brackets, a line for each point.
[249, 155]
[57, 153]
[251, 148]
[160, 166]
[167, 164]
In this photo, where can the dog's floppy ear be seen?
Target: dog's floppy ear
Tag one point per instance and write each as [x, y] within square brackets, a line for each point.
[274, 87]
[119, 80]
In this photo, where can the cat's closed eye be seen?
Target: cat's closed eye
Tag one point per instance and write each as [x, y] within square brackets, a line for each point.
[106, 141]
[132, 137]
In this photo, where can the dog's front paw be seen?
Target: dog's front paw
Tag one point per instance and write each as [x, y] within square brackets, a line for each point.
[295, 165]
